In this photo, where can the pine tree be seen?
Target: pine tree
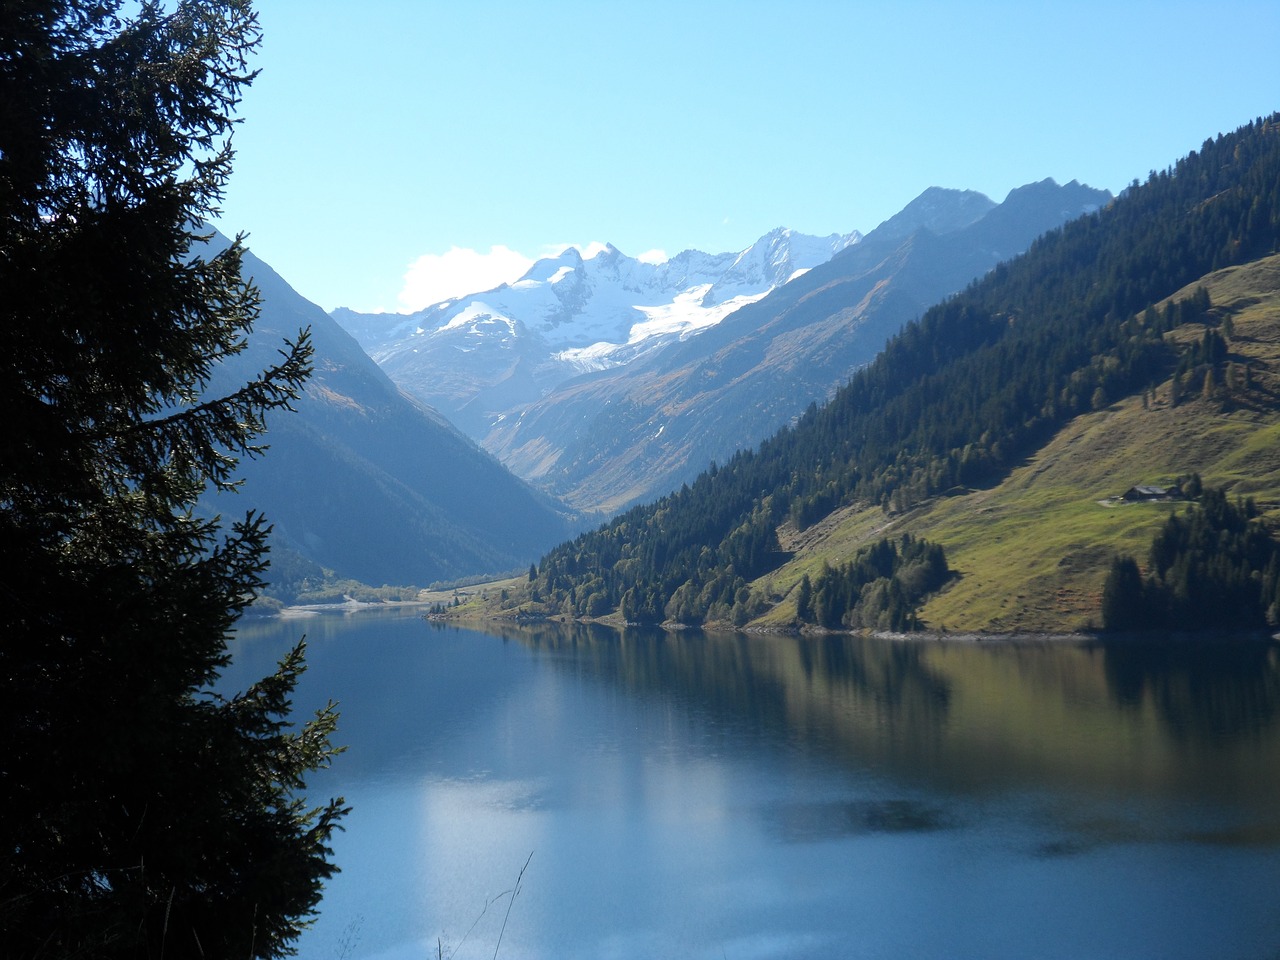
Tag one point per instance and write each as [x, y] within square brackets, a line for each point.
[804, 600]
[1232, 380]
[1122, 596]
[143, 814]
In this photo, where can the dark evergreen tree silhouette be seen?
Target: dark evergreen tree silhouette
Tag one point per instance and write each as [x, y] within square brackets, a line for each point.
[1123, 606]
[143, 814]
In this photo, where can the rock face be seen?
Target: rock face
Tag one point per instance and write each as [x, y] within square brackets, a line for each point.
[369, 481]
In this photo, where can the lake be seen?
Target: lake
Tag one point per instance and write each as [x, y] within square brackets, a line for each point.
[737, 797]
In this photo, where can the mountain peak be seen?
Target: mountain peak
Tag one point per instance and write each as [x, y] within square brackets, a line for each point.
[777, 257]
[1046, 185]
[939, 210]
[1047, 196]
[546, 268]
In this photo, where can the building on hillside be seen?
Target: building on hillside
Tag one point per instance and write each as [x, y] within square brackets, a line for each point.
[1143, 492]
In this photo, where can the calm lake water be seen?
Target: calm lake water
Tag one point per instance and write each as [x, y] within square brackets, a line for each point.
[733, 798]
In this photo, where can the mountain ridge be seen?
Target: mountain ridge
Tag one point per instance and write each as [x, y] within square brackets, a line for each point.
[609, 439]
[479, 356]
[959, 400]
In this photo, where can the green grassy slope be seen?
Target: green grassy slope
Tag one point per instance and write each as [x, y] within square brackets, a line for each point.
[1031, 553]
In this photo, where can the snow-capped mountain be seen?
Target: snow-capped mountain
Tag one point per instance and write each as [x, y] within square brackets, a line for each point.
[586, 377]
[606, 440]
[478, 356]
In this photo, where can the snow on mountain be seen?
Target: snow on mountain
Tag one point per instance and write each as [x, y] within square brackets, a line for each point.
[687, 314]
[568, 315]
[610, 303]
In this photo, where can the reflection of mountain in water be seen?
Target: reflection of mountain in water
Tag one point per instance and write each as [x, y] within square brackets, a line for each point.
[968, 716]
[864, 699]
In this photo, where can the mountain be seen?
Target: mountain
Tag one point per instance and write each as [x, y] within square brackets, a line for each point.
[1066, 362]
[486, 355]
[367, 481]
[606, 440]
[937, 210]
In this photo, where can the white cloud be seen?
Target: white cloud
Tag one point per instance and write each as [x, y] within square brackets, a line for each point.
[434, 277]
[653, 256]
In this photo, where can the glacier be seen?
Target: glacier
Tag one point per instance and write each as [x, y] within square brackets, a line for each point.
[602, 309]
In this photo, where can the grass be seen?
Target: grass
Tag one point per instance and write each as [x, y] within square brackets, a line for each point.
[1031, 554]
[474, 597]
[506, 917]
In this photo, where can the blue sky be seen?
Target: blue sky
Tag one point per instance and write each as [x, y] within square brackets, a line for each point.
[391, 148]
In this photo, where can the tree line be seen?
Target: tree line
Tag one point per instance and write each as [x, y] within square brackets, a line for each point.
[958, 396]
[1214, 566]
[879, 589]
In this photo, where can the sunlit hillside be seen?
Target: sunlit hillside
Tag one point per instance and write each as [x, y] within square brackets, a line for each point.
[1032, 552]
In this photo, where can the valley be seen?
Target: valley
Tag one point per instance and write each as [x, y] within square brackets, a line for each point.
[768, 331]
[1019, 492]
[1030, 553]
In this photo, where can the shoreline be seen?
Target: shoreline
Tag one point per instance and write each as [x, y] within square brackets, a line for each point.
[303, 610]
[1017, 637]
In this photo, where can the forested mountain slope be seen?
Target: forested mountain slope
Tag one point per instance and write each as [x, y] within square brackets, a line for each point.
[1031, 554]
[606, 440]
[959, 399]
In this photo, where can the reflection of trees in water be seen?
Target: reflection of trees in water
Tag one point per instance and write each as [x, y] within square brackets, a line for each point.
[857, 694]
[967, 716]
[891, 675]
[874, 700]
[1202, 691]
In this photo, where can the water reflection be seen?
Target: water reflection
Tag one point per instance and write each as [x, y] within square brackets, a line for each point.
[711, 795]
[830, 820]
[827, 691]
[970, 716]
[1204, 691]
